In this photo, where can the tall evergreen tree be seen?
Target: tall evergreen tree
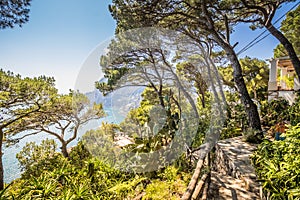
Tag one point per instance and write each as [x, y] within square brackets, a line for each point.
[64, 115]
[198, 20]
[260, 13]
[21, 100]
[14, 12]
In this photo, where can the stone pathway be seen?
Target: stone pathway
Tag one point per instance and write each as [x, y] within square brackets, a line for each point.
[224, 187]
[233, 176]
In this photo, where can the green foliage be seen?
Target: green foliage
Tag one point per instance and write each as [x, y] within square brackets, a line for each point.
[290, 27]
[2, 192]
[21, 102]
[34, 158]
[14, 13]
[156, 134]
[151, 122]
[99, 142]
[252, 136]
[204, 122]
[200, 135]
[190, 72]
[256, 76]
[21, 99]
[236, 121]
[64, 115]
[84, 177]
[171, 185]
[169, 174]
[277, 165]
[294, 112]
[159, 190]
[80, 177]
[79, 154]
[289, 81]
[33, 165]
[139, 116]
[127, 188]
[279, 110]
[112, 75]
[274, 112]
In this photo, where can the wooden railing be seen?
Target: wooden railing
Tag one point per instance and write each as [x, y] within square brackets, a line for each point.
[198, 187]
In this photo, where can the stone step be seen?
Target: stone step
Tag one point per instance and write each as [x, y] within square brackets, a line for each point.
[225, 187]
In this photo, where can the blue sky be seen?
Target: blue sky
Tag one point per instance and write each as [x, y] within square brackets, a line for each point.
[61, 34]
[56, 41]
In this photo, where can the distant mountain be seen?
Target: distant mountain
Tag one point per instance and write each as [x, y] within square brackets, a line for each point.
[97, 97]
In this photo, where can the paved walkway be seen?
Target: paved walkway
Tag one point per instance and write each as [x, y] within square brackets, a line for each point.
[224, 187]
[233, 176]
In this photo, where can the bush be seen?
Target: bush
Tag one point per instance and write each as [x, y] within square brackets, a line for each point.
[294, 112]
[169, 186]
[51, 176]
[79, 154]
[85, 177]
[253, 136]
[277, 165]
[34, 158]
[274, 112]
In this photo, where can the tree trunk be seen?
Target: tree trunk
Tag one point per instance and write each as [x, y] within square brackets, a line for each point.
[1, 164]
[287, 45]
[250, 107]
[64, 150]
[201, 94]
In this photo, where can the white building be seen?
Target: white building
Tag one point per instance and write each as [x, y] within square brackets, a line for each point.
[283, 82]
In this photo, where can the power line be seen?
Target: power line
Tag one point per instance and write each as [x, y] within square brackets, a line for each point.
[254, 42]
[250, 43]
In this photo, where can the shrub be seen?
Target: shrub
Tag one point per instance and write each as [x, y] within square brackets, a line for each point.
[294, 112]
[274, 112]
[253, 136]
[55, 177]
[277, 165]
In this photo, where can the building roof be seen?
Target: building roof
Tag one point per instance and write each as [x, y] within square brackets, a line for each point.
[285, 62]
[123, 141]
